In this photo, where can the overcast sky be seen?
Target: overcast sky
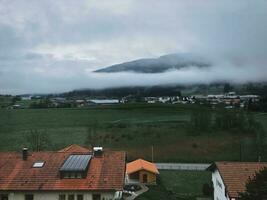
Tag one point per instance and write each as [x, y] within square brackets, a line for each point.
[53, 46]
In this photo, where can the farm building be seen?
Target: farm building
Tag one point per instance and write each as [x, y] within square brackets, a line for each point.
[73, 173]
[142, 171]
[229, 178]
[103, 101]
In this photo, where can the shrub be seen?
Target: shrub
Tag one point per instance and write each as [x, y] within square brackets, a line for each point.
[207, 189]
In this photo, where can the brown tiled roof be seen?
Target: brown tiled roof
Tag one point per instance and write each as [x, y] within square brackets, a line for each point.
[74, 148]
[236, 174]
[141, 164]
[104, 173]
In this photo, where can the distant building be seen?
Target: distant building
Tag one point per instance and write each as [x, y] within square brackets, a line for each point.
[26, 98]
[73, 173]
[164, 99]
[229, 178]
[231, 94]
[142, 171]
[252, 98]
[16, 106]
[151, 99]
[103, 101]
[59, 99]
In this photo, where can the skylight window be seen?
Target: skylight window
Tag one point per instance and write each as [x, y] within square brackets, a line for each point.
[38, 164]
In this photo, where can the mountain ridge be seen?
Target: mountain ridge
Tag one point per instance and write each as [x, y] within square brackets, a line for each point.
[158, 65]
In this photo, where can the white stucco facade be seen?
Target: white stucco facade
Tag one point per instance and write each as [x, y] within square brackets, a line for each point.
[55, 195]
[219, 188]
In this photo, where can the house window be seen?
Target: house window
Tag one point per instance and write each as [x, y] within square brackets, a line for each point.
[66, 175]
[71, 197]
[218, 184]
[62, 197]
[28, 196]
[79, 197]
[96, 197]
[3, 196]
[72, 175]
[78, 175]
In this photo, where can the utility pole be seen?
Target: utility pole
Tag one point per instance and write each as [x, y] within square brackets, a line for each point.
[240, 150]
[259, 159]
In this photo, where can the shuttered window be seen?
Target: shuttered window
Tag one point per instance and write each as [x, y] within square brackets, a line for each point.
[28, 197]
[71, 197]
[62, 197]
[79, 197]
[3, 196]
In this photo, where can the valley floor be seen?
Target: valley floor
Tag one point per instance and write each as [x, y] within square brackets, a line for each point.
[177, 132]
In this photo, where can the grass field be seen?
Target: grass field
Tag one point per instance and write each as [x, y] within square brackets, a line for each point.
[5, 101]
[262, 118]
[178, 185]
[134, 128]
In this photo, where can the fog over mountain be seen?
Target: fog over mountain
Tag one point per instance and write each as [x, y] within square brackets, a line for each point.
[158, 65]
[55, 46]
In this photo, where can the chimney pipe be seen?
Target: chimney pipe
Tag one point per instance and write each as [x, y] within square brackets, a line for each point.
[24, 153]
[98, 151]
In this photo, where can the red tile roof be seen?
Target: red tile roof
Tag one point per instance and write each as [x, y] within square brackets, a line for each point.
[141, 164]
[104, 173]
[74, 148]
[236, 174]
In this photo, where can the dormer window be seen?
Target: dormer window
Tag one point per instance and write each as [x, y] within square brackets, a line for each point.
[75, 166]
[38, 164]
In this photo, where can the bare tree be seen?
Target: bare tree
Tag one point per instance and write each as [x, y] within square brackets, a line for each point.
[38, 139]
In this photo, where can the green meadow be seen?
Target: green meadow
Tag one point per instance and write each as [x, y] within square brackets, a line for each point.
[171, 185]
[182, 133]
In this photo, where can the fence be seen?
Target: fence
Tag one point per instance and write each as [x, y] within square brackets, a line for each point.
[183, 166]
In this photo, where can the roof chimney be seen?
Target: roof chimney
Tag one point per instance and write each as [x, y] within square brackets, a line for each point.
[24, 153]
[98, 151]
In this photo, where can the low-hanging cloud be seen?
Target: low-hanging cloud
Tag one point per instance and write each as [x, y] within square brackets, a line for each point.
[48, 46]
[88, 79]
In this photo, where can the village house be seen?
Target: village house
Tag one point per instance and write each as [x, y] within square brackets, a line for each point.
[230, 100]
[162, 99]
[80, 103]
[230, 178]
[141, 171]
[151, 99]
[73, 173]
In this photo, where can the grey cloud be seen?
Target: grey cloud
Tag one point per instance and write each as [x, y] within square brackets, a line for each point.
[61, 42]
[85, 79]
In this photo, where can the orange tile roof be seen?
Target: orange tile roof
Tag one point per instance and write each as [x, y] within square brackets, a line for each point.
[104, 173]
[236, 174]
[141, 164]
[74, 148]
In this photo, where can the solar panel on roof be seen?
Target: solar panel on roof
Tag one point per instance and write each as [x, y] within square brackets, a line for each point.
[76, 163]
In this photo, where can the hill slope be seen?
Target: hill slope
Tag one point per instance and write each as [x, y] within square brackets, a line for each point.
[158, 65]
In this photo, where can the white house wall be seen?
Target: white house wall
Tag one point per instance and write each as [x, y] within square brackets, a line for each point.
[55, 195]
[219, 187]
